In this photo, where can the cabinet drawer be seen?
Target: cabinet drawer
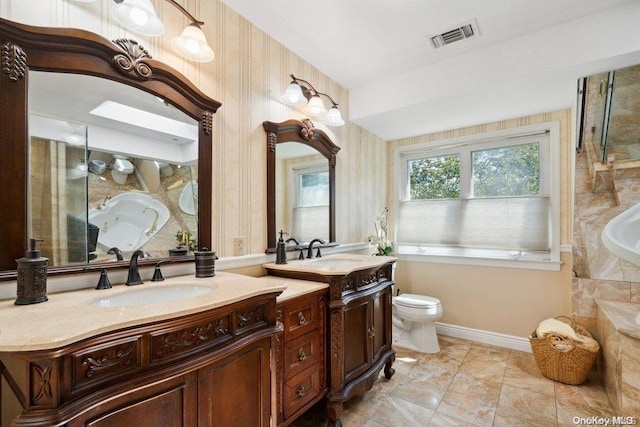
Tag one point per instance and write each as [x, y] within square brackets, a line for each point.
[301, 353]
[301, 389]
[300, 317]
[101, 363]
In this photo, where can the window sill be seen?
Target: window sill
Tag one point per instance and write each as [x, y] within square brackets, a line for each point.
[456, 256]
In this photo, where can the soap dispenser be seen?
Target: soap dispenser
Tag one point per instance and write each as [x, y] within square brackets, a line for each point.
[281, 250]
[32, 276]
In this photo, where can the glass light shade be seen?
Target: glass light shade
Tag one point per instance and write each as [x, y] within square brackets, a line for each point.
[293, 95]
[315, 107]
[192, 44]
[138, 16]
[333, 117]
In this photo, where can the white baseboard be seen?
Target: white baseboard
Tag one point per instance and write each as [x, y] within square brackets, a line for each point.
[485, 337]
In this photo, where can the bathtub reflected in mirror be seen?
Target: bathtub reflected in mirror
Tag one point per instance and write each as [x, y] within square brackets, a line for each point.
[128, 221]
[83, 202]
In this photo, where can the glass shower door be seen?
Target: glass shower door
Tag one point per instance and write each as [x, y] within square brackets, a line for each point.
[57, 205]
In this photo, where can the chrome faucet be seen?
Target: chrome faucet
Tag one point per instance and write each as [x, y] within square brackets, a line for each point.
[133, 278]
[310, 249]
[154, 225]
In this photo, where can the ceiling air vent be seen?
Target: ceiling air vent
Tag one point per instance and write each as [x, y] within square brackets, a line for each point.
[463, 32]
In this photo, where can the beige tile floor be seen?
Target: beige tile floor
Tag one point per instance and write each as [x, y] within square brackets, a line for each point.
[468, 384]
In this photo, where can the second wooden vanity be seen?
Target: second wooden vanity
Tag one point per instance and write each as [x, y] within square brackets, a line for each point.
[359, 341]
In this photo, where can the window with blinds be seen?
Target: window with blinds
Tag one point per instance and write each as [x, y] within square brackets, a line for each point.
[488, 198]
[310, 216]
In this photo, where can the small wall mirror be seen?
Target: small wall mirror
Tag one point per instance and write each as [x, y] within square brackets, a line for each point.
[105, 148]
[300, 182]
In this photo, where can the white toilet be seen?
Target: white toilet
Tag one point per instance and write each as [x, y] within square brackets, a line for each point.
[165, 169]
[121, 168]
[414, 318]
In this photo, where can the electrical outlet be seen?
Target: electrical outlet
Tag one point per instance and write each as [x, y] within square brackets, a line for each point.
[238, 246]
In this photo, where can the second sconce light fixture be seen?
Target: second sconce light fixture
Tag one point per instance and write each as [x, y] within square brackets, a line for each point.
[301, 92]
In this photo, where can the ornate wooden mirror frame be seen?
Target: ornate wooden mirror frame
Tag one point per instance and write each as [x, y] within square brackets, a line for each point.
[25, 48]
[305, 133]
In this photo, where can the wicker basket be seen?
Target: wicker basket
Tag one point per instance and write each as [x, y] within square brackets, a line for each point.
[572, 364]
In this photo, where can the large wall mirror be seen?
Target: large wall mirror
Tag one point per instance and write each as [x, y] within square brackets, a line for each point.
[300, 182]
[106, 151]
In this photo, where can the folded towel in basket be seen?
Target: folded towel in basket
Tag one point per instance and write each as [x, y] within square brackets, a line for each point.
[561, 333]
[556, 327]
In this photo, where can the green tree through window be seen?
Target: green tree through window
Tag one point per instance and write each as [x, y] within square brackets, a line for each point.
[435, 177]
[506, 171]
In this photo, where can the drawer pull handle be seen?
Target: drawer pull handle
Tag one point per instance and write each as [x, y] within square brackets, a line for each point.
[301, 354]
[302, 391]
[301, 319]
[372, 332]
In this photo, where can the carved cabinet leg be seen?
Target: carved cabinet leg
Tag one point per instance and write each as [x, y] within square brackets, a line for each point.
[388, 370]
[334, 411]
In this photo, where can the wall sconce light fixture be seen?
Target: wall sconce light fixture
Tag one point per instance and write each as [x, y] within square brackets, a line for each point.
[301, 92]
[140, 16]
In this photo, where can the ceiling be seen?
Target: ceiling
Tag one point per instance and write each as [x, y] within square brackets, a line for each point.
[525, 60]
[119, 118]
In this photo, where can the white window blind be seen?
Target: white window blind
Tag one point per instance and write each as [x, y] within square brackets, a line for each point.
[310, 223]
[501, 223]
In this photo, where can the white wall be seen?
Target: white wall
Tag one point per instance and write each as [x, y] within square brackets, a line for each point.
[528, 75]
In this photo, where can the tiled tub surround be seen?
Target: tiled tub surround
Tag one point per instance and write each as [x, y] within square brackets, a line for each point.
[587, 291]
[599, 273]
[620, 361]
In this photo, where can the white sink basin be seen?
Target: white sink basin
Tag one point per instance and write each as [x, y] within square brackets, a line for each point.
[621, 235]
[152, 295]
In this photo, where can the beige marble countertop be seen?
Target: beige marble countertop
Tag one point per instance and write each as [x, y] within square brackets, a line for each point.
[295, 287]
[332, 265]
[622, 315]
[72, 316]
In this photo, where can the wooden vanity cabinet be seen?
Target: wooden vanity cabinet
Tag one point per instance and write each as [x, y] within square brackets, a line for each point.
[211, 368]
[300, 355]
[359, 334]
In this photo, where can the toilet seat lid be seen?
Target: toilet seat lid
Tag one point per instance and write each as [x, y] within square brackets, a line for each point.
[417, 301]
